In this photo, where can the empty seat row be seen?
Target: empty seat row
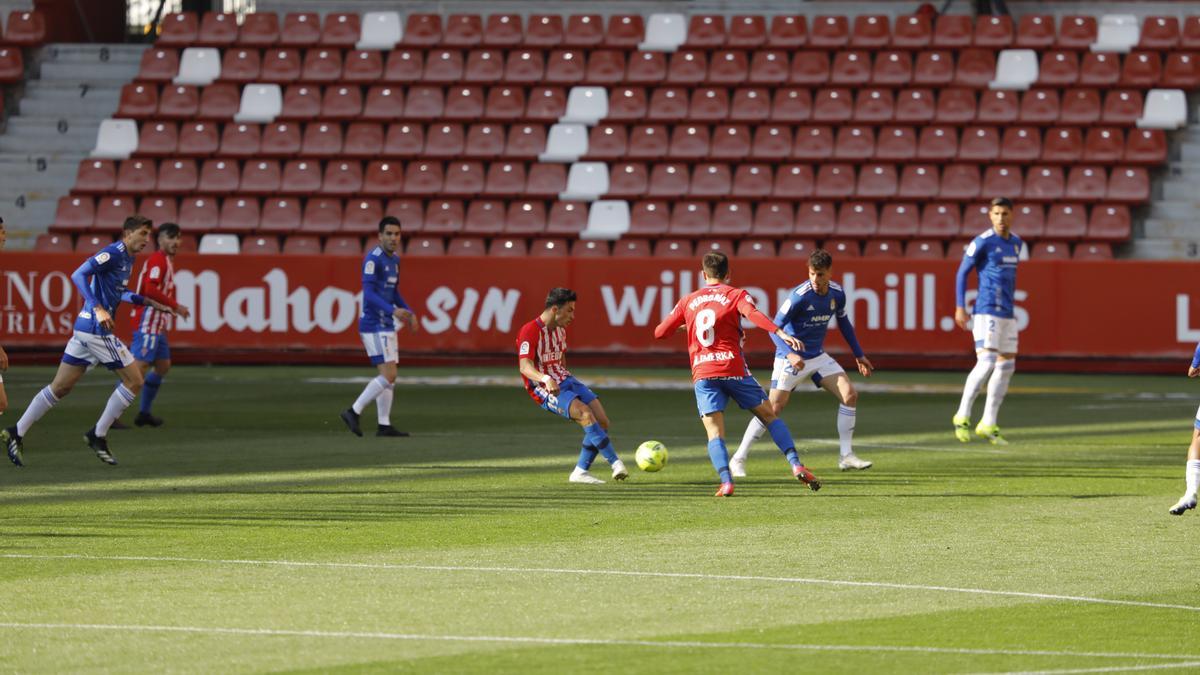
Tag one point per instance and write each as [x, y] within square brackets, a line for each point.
[24, 28]
[610, 141]
[386, 29]
[649, 218]
[550, 104]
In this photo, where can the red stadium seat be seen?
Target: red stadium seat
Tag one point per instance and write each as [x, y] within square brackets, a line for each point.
[856, 219]
[1077, 32]
[998, 107]
[264, 245]
[544, 30]
[794, 181]
[1031, 219]
[1059, 69]
[1066, 221]
[673, 248]
[960, 182]
[912, 32]
[525, 140]
[569, 218]
[158, 139]
[341, 29]
[1141, 69]
[870, 31]
[953, 30]
[844, 248]
[690, 219]
[706, 31]
[829, 32]
[585, 30]
[74, 214]
[1039, 107]
[300, 177]
[1003, 179]
[178, 101]
[175, 176]
[138, 101]
[302, 244]
[756, 248]
[464, 103]
[53, 243]
[1044, 183]
[774, 219]
[627, 104]
[787, 32]
[216, 30]
[649, 141]
[935, 68]
[669, 180]
[484, 216]
[1189, 38]
[835, 181]
[525, 66]
[261, 177]
[525, 218]
[343, 245]
[1129, 185]
[566, 66]
[322, 215]
[955, 106]
[404, 66]
[219, 176]
[425, 246]
[464, 178]
[976, 68]
[217, 101]
[687, 141]
[282, 65]
[1086, 183]
[993, 32]
[883, 248]
[342, 178]
[424, 102]
[810, 68]
[833, 105]
[811, 143]
[649, 218]
[729, 67]
[259, 29]
[711, 180]
[979, 144]
[484, 141]
[668, 103]
[1109, 223]
[1145, 146]
[925, 250]
[769, 67]
[383, 103]
[628, 179]
[750, 105]
[411, 213]
[444, 216]
[708, 104]
[793, 104]
[111, 211]
[940, 221]
[731, 141]
[90, 243]
[631, 248]
[179, 29]
[1099, 69]
[896, 144]
[1122, 107]
[892, 69]
[321, 140]
[463, 30]
[1062, 144]
[752, 180]
[363, 139]
[732, 219]
[423, 30]
[919, 182]
[625, 30]
[1080, 106]
[544, 247]
[158, 65]
[854, 143]
[1035, 31]
[850, 68]
[1180, 71]
[938, 143]
[707, 244]
[1104, 144]
[322, 65]
[301, 102]
[1092, 251]
[917, 106]
[362, 215]
[898, 219]
[503, 30]
[280, 214]
[605, 67]
[241, 65]
[1021, 145]
[300, 29]
[506, 179]
[484, 66]
[443, 66]
[546, 104]
[281, 140]
[423, 178]
[874, 106]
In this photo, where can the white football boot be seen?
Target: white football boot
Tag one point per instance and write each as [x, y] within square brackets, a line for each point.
[737, 466]
[581, 476]
[851, 461]
[1185, 504]
[619, 470]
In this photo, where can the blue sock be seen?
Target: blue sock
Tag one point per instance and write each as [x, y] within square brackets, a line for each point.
[783, 439]
[586, 456]
[598, 438]
[719, 455]
[150, 390]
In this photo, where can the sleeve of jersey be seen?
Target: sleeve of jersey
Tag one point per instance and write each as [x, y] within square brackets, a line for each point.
[398, 300]
[153, 288]
[960, 279]
[527, 341]
[671, 323]
[80, 278]
[847, 328]
[372, 298]
[1196, 357]
[745, 307]
[133, 298]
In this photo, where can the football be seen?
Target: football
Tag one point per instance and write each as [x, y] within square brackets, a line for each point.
[651, 456]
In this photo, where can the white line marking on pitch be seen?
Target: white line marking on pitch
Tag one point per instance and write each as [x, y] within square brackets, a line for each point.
[517, 639]
[618, 573]
[1108, 669]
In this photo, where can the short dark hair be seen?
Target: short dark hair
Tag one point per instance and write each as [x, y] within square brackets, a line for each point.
[820, 259]
[716, 265]
[1001, 201]
[137, 222]
[559, 297]
[169, 229]
[389, 220]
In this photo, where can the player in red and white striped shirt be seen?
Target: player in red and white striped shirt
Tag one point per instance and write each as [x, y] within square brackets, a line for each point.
[149, 346]
[541, 353]
[713, 318]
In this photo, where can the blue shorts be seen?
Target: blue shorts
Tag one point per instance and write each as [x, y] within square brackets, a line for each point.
[150, 347]
[713, 395]
[569, 390]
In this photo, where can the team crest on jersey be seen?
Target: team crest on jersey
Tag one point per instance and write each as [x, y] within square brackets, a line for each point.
[103, 257]
[833, 304]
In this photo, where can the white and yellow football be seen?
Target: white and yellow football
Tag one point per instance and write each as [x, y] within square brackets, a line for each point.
[651, 456]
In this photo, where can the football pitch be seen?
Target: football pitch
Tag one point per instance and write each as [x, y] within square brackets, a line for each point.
[253, 533]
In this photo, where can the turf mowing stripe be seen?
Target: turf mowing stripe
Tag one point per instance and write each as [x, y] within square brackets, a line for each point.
[518, 639]
[1110, 669]
[619, 573]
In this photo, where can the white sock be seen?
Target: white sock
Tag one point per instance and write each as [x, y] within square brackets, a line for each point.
[845, 424]
[1193, 477]
[40, 405]
[117, 403]
[383, 404]
[370, 393]
[983, 367]
[997, 388]
[754, 431]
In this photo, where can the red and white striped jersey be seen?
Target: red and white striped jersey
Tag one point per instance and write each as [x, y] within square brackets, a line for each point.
[546, 346]
[157, 282]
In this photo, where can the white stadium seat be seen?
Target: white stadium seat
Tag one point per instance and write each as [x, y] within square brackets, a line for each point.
[260, 103]
[586, 181]
[565, 143]
[1164, 109]
[219, 244]
[1117, 33]
[116, 139]
[586, 105]
[607, 219]
[380, 30]
[1015, 69]
[664, 33]
[200, 66]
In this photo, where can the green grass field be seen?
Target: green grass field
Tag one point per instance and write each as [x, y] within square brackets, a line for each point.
[252, 533]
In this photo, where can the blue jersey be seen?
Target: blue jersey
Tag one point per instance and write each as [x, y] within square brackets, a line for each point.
[380, 274]
[102, 281]
[1196, 357]
[994, 259]
[806, 315]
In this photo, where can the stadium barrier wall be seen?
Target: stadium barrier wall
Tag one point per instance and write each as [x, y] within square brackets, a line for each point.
[280, 305]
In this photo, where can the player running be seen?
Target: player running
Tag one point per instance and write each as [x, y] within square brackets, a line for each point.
[1192, 473]
[712, 317]
[805, 315]
[101, 281]
[994, 256]
[149, 346]
[382, 305]
[541, 358]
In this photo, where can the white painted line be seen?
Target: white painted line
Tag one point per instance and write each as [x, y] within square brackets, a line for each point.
[617, 573]
[518, 639]
[1109, 669]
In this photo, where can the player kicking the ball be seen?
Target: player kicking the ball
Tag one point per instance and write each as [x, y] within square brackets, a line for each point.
[712, 317]
[541, 358]
[382, 305]
[805, 315]
[101, 281]
[1192, 474]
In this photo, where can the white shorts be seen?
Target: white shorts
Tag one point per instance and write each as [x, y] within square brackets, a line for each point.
[821, 366]
[85, 349]
[381, 347]
[993, 332]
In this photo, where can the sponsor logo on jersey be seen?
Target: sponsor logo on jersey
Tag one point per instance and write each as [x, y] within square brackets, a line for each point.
[713, 356]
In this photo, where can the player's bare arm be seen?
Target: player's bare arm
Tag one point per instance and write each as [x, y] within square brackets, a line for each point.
[530, 371]
[962, 318]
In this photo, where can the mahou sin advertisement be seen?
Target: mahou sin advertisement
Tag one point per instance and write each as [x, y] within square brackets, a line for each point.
[1116, 309]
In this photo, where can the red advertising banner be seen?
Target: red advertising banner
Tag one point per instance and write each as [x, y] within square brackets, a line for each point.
[1116, 309]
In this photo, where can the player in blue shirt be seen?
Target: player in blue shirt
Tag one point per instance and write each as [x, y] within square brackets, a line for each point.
[382, 305]
[3, 355]
[102, 282]
[993, 256]
[806, 315]
[1192, 473]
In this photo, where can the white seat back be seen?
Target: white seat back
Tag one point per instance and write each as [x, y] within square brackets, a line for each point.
[219, 244]
[1164, 109]
[1015, 69]
[116, 139]
[607, 219]
[261, 103]
[200, 66]
[586, 181]
[565, 143]
[664, 32]
[1117, 33]
[586, 105]
[380, 30]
